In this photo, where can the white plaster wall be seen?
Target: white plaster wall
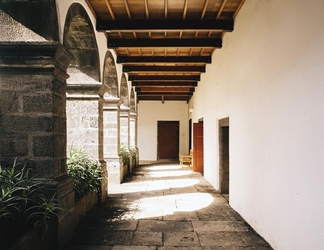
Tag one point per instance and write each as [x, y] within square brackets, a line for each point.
[149, 113]
[269, 79]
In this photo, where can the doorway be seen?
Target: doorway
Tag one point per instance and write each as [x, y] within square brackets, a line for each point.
[198, 147]
[168, 140]
[224, 156]
[190, 134]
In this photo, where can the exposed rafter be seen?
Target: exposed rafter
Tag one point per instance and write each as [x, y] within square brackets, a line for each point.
[165, 93]
[172, 78]
[164, 89]
[192, 69]
[165, 25]
[164, 59]
[163, 43]
[165, 84]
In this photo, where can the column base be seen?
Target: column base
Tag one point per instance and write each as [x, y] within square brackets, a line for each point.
[115, 170]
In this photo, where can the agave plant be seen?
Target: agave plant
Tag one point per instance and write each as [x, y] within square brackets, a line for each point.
[23, 205]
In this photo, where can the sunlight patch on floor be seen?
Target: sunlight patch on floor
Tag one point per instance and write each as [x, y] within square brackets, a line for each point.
[163, 167]
[170, 174]
[155, 185]
[171, 204]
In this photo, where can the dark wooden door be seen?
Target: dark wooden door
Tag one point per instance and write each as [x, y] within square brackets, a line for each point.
[168, 140]
[198, 147]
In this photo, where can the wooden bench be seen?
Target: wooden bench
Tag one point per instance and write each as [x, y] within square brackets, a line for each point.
[185, 158]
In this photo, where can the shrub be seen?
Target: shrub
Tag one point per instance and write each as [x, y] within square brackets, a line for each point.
[132, 151]
[124, 152]
[23, 205]
[85, 172]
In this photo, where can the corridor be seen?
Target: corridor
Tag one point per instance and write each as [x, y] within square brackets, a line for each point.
[166, 207]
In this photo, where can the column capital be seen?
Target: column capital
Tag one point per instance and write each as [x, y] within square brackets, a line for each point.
[124, 111]
[83, 91]
[111, 102]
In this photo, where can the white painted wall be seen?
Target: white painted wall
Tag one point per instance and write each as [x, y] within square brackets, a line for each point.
[269, 79]
[149, 113]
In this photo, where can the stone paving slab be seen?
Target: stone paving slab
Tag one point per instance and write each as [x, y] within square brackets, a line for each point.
[147, 239]
[222, 239]
[104, 238]
[187, 239]
[220, 226]
[164, 226]
[181, 216]
[133, 248]
[165, 207]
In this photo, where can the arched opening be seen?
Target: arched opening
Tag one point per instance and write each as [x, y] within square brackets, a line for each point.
[82, 109]
[79, 39]
[84, 112]
[124, 91]
[110, 81]
[111, 121]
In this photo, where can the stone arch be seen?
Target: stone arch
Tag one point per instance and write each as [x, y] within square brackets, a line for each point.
[84, 110]
[132, 101]
[124, 91]
[80, 41]
[110, 81]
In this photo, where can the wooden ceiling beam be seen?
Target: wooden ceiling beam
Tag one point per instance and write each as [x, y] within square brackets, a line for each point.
[140, 78]
[163, 99]
[164, 89]
[163, 84]
[164, 59]
[192, 69]
[164, 43]
[164, 25]
[164, 94]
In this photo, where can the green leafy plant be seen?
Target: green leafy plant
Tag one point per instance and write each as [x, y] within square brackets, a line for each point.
[23, 205]
[127, 152]
[85, 172]
[124, 153]
[132, 151]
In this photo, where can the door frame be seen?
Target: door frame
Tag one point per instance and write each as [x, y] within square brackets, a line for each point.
[224, 179]
[177, 142]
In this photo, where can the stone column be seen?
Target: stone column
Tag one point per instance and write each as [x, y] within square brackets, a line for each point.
[133, 136]
[124, 134]
[33, 120]
[84, 113]
[111, 128]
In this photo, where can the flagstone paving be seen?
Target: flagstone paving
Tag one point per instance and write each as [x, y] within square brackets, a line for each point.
[165, 207]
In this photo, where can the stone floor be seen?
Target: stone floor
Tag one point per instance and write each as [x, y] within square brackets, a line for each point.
[165, 207]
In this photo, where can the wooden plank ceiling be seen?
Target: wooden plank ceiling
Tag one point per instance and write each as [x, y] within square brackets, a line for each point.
[164, 45]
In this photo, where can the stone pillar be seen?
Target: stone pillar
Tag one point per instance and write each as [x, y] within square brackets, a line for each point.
[84, 112]
[33, 121]
[133, 137]
[111, 128]
[124, 134]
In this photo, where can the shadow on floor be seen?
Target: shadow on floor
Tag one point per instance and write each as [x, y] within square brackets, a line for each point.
[166, 207]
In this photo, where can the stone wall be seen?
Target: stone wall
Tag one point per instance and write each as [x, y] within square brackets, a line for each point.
[33, 121]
